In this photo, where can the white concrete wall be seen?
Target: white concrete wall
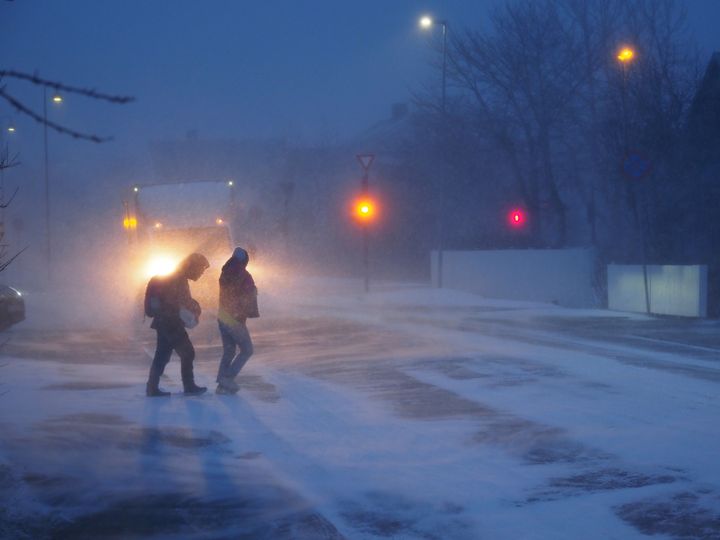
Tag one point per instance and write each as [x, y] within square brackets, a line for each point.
[562, 276]
[673, 290]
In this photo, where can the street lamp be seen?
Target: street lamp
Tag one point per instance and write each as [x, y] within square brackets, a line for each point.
[5, 161]
[8, 124]
[426, 22]
[626, 55]
[57, 99]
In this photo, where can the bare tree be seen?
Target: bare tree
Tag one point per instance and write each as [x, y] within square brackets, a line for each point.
[20, 107]
[542, 85]
[34, 79]
[522, 77]
[7, 161]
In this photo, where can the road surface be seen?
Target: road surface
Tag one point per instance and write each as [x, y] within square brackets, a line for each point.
[406, 413]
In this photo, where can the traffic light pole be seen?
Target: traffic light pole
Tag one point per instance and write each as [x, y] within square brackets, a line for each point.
[366, 236]
[365, 161]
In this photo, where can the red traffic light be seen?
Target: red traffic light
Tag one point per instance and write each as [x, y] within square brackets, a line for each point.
[517, 218]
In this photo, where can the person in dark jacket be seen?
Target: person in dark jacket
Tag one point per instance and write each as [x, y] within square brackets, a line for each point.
[176, 310]
[238, 302]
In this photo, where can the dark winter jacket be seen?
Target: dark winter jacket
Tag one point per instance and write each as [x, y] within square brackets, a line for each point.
[175, 293]
[238, 294]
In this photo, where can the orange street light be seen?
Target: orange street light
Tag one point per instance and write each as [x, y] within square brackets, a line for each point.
[626, 55]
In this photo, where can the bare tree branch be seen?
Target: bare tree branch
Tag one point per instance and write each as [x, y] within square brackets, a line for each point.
[4, 204]
[8, 162]
[57, 127]
[88, 92]
[7, 263]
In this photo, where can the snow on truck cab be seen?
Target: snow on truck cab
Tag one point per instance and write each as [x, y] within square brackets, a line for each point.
[167, 222]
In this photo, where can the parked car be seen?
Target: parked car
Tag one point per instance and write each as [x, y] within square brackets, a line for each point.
[12, 307]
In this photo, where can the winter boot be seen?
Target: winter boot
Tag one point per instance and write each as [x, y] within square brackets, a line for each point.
[223, 390]
[154, 391]
[229, 384]
[194, 390]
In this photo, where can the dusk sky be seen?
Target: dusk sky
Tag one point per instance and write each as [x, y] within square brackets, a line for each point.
[310, 71]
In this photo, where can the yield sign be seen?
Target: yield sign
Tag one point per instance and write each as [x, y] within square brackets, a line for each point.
[365, 160]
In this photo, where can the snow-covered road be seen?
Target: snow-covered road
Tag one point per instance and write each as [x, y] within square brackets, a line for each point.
[406, 413]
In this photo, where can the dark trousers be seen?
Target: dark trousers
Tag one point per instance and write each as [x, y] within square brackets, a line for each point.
[167, 342]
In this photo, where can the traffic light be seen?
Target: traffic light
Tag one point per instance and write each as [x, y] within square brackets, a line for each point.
[517, 218]
[365, 209]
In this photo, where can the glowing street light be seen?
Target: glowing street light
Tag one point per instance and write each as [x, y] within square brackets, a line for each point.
[426, 21]
[8, 124]
[625, 55]
[57, 98]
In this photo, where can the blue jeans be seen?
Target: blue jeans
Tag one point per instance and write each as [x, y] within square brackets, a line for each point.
[234, 337]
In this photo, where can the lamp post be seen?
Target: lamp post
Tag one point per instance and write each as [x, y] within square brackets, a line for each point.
[427, 22]
[48, 254]
[626, 55]
[6, 160]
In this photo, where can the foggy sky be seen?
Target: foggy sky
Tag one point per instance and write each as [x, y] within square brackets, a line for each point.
[311, 70]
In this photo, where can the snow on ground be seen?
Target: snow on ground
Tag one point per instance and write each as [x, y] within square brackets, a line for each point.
[408, 413]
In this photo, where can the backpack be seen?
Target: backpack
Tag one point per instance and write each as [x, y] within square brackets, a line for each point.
[154, 296]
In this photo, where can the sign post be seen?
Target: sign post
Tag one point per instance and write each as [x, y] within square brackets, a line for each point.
[365, 162]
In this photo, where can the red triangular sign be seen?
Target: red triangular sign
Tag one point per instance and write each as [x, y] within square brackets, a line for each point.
[366, 160]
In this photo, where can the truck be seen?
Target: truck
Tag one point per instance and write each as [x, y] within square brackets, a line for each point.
[166, 222]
